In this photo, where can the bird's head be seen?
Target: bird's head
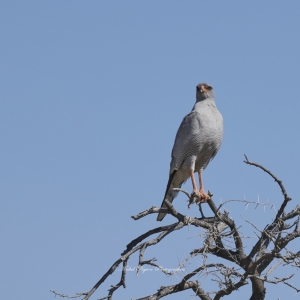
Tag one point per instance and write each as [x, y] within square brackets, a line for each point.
[204, 91]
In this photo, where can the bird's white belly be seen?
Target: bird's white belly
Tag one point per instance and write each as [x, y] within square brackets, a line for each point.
[205, 146]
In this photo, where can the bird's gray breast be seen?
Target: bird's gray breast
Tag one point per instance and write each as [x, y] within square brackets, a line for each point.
[209, 136]
[199, 136]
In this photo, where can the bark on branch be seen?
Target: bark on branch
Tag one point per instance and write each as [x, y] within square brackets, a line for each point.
[219, 230]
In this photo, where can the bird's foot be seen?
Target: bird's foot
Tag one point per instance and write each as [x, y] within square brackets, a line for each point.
[201, 195]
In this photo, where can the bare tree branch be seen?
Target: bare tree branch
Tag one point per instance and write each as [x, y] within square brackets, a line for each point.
[284, 193]
[221, 238]
[165, 291]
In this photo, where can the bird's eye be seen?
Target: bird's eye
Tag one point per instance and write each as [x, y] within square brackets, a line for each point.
[209, 87]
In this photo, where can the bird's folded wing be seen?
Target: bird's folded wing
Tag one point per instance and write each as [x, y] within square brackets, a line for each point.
[187, 138]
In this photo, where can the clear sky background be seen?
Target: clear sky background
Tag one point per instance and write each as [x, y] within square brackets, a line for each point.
[92, 94]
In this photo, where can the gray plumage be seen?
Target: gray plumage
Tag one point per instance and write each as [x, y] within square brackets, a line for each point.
[197, 141]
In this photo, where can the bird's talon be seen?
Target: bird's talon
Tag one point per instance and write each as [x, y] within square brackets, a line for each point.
[202, 197]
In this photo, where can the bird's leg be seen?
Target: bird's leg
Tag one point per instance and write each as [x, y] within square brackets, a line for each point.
[195, 189]
[203, 196]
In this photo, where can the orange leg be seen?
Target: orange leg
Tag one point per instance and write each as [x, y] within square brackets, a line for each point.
[193, 182]
[203, 196]
[195, 189]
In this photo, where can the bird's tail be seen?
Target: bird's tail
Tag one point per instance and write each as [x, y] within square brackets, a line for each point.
[169, 195]
[163, 205]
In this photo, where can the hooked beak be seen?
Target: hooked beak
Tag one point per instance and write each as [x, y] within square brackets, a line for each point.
[203, 89]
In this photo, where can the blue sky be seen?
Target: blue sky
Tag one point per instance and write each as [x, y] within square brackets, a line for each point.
[92, 94]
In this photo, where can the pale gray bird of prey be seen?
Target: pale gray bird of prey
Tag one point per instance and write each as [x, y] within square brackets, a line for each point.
[197, 141]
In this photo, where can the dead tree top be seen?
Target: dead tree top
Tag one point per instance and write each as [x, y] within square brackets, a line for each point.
[253, 267]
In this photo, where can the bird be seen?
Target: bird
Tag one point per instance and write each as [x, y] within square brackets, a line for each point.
[197, 141]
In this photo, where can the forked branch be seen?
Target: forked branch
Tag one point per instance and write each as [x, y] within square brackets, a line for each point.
[219, 232]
